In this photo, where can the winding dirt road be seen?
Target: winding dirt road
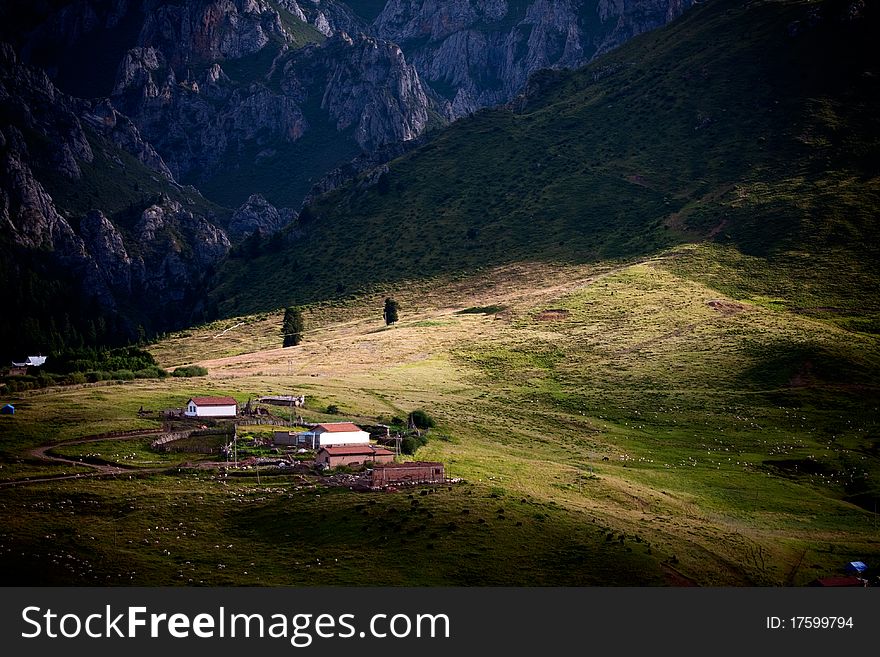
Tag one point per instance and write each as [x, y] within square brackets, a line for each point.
[98, 469]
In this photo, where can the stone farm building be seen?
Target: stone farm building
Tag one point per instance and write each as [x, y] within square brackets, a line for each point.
[334, 456]
[413, 472]
[325, 435]
[211, 407]
[288, 438]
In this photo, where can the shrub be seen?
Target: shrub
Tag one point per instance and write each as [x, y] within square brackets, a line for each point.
[190, 371]
[75, 377]
[421, 420]
[410, 444]
[391, 311]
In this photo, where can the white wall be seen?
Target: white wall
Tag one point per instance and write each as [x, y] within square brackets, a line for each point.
[212, 411]
[343, 438]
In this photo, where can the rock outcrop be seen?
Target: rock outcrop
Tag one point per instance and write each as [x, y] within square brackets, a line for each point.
[365, 85]
[208, 84]
[258, 216]
[329, 17]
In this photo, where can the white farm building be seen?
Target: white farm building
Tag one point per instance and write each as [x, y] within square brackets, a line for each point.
[211, 407]
[332, 433]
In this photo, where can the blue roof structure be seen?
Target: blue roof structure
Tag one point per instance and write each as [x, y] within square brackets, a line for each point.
[9, 409]
[856, 566]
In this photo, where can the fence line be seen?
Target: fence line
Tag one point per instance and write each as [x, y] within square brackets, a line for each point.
[266, 421]
[123, 434]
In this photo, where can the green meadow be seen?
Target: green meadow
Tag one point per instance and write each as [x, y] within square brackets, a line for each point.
[616, 424]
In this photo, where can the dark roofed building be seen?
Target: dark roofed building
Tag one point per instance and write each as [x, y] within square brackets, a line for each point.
[412, 472]
[336, 455]
[856, 567]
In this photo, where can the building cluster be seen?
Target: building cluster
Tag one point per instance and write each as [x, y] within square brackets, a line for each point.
[335, 444]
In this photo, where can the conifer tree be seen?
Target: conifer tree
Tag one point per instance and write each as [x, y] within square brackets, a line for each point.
[390, 312]
[292, 327]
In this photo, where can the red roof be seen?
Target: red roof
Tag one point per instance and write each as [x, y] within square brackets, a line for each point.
[214, 401]
[355, 450]
[412, 464]
[838, 581]
[338, 427]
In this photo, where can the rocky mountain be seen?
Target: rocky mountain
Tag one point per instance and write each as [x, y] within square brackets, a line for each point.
[66, 167]
[478, 53]
[330, 17]
[360, 87]
[238, 96]
[259, 96]
[258, 216]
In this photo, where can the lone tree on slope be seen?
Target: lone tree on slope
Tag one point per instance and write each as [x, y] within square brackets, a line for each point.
[390, 311]
[292, 327]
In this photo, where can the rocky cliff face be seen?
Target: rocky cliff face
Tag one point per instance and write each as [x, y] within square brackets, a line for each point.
[176, 245]
[363, 85]
[477, 53]
[50, 142]
[329, 17]
[197, 123]
[191, 33]
[221, 84]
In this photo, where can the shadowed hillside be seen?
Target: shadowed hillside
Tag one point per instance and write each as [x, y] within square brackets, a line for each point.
[751, 124]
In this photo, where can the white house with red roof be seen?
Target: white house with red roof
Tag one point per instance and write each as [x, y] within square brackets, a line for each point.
[334, 433]
[211, 407]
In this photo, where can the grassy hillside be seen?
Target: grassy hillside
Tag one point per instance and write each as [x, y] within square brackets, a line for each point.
[751, 124]
[613, 425]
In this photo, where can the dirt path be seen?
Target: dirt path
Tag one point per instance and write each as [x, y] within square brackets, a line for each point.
[99, 469]
[42, 453]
